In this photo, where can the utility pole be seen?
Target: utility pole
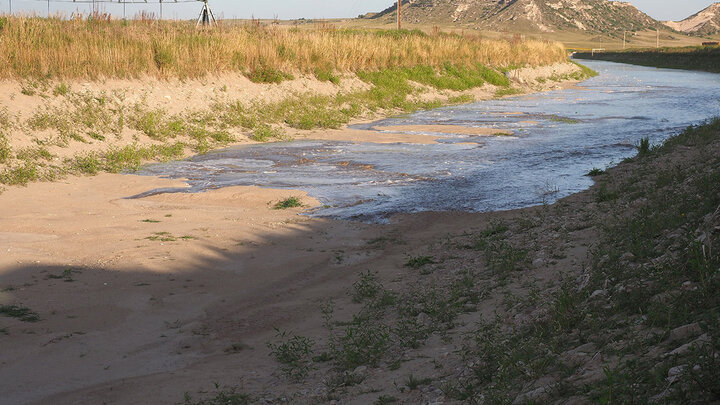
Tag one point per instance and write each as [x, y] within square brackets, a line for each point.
[11, 7]
[657, 30]
[624, 35]
[399, 16]
[161, 10]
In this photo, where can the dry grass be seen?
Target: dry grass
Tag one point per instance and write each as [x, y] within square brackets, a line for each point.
[97, 48]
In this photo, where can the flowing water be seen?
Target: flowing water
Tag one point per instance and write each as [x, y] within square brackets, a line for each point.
[558, 137]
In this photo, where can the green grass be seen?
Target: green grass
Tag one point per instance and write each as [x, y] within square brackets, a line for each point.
[290, 202]
[595, 172]
[266, 133]
[267, 74]
[510, 91]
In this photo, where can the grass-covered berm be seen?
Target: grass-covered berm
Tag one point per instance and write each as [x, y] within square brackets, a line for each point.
[84, 96]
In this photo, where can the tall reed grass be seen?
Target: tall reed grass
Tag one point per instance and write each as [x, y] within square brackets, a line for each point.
[97, 48]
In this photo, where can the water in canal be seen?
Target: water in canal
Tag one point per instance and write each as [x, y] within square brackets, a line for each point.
[558, 137]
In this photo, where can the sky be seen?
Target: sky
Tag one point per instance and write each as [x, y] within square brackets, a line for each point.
[291, 9]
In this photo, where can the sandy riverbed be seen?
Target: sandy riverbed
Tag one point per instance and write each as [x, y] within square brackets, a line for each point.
[142, 298]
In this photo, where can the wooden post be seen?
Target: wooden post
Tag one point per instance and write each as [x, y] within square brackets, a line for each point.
[624, 35]
[399, 15]
[657, 30]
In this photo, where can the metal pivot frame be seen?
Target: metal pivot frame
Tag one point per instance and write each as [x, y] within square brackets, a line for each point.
[206, 17]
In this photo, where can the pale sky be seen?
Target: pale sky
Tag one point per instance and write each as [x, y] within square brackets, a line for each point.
[290, 9]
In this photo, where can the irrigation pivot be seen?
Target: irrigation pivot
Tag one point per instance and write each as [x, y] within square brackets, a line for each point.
[206, 17]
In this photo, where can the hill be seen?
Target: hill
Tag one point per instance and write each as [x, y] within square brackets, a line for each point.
[706, 22]
[590, 16]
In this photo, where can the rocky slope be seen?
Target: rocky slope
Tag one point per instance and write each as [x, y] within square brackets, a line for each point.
[706, 22]
[593, 16]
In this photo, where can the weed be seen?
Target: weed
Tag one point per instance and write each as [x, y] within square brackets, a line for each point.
[22, 313]
[596, 172]
[290, 202]
[643, 147]
[510, 91]
[162, 57]
[222, 397]
[386, 399]
[267, 74]
[566, 120]
[265, 133]
[294, 352]
[367, 287]
[327, 76]
[61, 89]
[5, 150]
[66, 275]
[363, 342]
[162, 237]
[419, 261]
[19, 175]
[414, 383]
[236, 348]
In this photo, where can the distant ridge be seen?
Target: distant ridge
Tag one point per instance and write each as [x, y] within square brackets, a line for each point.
[591, 16]
[705, 22]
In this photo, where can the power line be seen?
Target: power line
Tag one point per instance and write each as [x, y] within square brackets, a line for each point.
[96, 4]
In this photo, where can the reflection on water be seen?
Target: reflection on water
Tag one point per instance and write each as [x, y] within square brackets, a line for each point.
[558, 137]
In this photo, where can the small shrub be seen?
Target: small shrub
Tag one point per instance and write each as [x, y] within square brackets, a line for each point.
[595, 172]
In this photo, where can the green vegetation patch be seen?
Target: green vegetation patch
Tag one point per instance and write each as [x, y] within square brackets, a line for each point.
[689, 58]
[290, 202]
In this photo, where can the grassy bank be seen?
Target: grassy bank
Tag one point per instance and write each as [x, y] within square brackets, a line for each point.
[118, 130]
[690, 58]
[99, 48]
[512, 313]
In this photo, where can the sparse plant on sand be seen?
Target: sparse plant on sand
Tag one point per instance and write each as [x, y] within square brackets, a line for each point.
[290, 202]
